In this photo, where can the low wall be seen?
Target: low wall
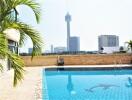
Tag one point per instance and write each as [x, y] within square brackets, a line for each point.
[89, 59]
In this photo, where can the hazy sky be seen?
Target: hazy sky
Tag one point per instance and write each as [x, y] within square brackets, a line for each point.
[90, 18]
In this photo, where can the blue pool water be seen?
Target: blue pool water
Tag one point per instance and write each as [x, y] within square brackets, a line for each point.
[87, 85]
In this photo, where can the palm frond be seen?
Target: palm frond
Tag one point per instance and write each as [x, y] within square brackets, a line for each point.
[5, 9]
[23, 38]
[30, 3]
[16, 61]
[34, 36]
[17, 64]
[3, 48]
[3, 45]
[28, 31]
[7, 20]
[129, 44]
[1, 67]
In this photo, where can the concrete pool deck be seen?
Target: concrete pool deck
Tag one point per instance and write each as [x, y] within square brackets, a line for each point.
[25, 90]
[31, 87]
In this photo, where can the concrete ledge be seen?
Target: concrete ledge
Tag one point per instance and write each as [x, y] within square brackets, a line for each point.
[89, 59]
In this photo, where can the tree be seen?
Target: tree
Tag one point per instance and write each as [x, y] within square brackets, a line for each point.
[129, 44]
[8, 20]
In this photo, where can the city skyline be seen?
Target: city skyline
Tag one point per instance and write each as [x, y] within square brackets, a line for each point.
[90, 19]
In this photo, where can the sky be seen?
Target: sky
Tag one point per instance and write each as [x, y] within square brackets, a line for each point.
[90, 18]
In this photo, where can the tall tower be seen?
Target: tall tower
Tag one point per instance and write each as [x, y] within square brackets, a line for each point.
[68, 19]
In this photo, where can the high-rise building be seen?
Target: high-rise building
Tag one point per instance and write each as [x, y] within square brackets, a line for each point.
[108, 41]
[74, 44]
[52, 49]
[68, 19]
[59, 49]
[30, 50]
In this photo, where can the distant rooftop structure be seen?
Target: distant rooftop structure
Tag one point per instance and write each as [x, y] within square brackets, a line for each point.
[68, 17]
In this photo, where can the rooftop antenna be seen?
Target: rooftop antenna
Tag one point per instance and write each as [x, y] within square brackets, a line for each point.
[67, 5]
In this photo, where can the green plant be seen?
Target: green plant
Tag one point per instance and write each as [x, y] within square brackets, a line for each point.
[8, 19]
[129, 45]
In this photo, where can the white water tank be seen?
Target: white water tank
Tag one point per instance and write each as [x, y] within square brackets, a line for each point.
[12, 34]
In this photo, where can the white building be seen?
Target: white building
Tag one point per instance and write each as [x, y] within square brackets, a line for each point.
[108, 43]
[59, 49]
[110, 49]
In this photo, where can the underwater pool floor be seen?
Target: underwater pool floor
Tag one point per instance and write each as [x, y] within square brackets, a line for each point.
[73, 84]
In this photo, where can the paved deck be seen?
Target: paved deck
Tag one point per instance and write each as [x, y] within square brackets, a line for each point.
[25, 90]
[31, 87]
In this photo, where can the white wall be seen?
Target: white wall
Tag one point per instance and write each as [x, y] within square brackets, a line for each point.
[111, 49]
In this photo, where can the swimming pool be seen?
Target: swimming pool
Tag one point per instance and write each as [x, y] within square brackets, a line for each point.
[85, 84]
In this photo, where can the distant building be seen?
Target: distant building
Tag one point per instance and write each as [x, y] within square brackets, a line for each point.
[108, 43]
[110, 49]
[30, 50]
[74, 44]
[52, 49]
[47, 51]
[68, 20]
[59, 49]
